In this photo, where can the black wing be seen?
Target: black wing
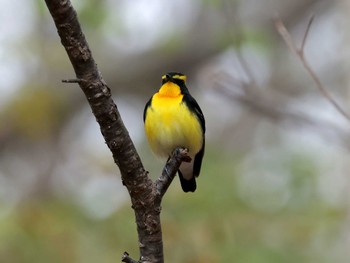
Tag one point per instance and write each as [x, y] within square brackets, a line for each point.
[146, 107]
[194, 107]
[198, 160]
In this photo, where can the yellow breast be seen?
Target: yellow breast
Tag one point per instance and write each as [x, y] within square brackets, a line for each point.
[170, 124]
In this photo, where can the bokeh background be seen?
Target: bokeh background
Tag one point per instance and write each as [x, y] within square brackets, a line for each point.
[275, 183]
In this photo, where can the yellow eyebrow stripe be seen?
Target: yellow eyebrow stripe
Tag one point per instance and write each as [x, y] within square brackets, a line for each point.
[182, 77]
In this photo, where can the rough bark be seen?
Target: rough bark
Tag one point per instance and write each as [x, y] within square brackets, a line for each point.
[145, 195]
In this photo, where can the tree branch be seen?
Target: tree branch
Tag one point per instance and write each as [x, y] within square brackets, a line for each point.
[299, 52]
[260, 103]
[145, 195]
[302, 47]
[170, 169]
[126, 258]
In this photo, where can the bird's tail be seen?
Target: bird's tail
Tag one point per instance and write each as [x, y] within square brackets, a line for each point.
[188, 185]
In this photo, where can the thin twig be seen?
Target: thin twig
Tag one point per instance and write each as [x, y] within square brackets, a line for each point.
[72, 80]
[299, 52]
[126, 258]
[282, 30]
[306, 35]
[242, 61]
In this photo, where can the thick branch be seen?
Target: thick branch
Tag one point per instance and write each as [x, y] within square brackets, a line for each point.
[96, 91]
[141, 189]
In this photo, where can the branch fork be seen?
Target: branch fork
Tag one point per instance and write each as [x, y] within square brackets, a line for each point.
[145, 195]
[299, 53]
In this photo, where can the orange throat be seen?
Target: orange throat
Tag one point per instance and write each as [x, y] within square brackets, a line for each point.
[169, 89]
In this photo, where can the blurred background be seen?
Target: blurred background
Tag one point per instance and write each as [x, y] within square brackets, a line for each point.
[275, 183]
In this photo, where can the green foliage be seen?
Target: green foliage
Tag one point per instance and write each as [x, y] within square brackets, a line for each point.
[35, 113]
[215, 224]
[92, 13]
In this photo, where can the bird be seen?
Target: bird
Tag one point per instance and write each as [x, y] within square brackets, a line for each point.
[172, 118]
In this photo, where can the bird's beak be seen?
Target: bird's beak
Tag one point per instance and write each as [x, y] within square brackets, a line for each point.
[168, 77]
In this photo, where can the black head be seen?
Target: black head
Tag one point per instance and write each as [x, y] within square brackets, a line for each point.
[175, 77]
